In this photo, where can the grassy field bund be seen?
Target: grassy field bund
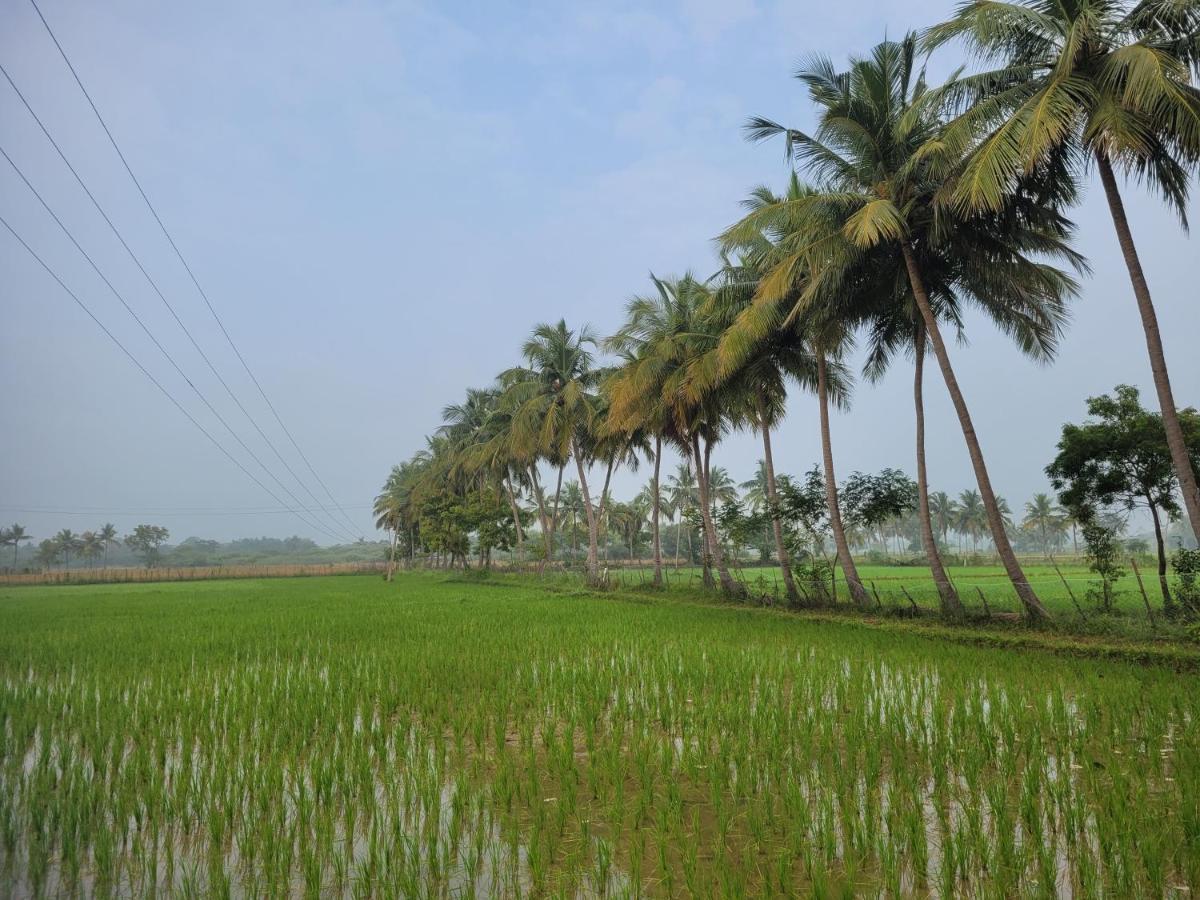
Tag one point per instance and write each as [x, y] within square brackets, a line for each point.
[446, 737]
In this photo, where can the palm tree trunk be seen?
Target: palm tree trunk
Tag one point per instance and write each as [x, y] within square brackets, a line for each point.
[593, 564]
[711, 547]
[654, 513]
[391, 566]
[554, 517]
[541, 505]
[857, 593]
[1158, 362]
[785, 564]
[1162, 557]
[1034, 609]
[516, 513]
[728, 585]
[604, 518]
[705, 546]
[951, 605]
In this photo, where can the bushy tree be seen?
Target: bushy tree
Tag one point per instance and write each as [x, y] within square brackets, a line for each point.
[146, 541]
[1120, 460]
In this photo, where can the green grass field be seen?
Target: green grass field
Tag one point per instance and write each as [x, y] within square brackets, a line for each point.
[890, 582]
[438, 737]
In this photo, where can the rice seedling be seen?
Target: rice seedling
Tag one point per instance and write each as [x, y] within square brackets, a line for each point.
[347, 737]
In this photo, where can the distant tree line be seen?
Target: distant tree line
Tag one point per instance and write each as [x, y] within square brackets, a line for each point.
[147, 545]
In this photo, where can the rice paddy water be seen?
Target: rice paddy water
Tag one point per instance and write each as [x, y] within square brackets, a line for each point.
[432, 737]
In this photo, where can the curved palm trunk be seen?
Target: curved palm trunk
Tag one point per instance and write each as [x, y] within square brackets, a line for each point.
[857, 593]
[1034, 609]
[785, 564]
[728, 585]
[951, 605]
[593, 564]
[1158, 361]
[654, 513]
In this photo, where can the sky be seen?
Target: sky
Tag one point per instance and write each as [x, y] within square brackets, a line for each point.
[380, 200]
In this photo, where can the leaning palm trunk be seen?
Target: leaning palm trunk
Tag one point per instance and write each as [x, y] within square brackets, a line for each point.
[593, 564]
[728, 585]
[785, 565]
[654, 513]
[1034, 609]
[857, 593]
[951, 604]
[1158, 361]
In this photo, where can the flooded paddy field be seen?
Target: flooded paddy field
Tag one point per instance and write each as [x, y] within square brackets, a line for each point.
[347, 737]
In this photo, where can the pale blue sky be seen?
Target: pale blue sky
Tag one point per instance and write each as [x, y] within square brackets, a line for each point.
[382, 198]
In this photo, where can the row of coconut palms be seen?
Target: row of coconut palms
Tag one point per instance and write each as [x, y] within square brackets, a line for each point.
[66, 545]
[909, 204]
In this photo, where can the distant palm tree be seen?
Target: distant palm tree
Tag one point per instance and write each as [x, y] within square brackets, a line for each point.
[972, 518]
[572, 504]
[90, 546]
[558, 412]
[1045, 518]
[108, 536]
[68, 542]
[757, 495]
[722, 488]
[683, 496]
[14, 536]
[1087, 81]
[944, 512]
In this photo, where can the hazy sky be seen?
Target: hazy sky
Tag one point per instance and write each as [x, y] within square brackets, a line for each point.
[381, 199]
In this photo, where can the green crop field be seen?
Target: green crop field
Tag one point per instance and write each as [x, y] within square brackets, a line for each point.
[889, 583]
[433, 737]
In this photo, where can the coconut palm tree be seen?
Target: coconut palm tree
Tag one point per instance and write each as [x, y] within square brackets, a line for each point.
[648, 322]
[13, 537]
[769, 341]
[1044, 518]
[1092, 82]
[68, 542]
[90, 546]
[108, 537]
[880, 167]
[389, 510]
[944, 512]
[558, 409]
[682, 495]
[668, 337]
[757, 493]
[972, 518]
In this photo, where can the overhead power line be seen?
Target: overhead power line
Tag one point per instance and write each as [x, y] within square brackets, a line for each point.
[170, 240]
[133, 359]
[163, 350]
[154, 285]
[102, 511]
